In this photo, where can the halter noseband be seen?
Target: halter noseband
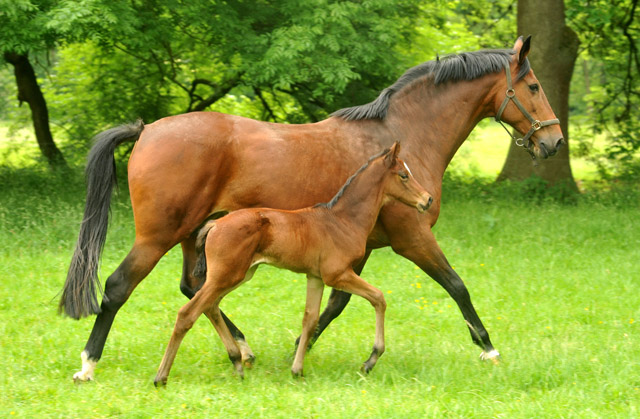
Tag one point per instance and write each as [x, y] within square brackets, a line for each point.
[535, 124]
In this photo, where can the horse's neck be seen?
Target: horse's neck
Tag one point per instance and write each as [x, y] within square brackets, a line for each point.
[433, 121]
[361, 201]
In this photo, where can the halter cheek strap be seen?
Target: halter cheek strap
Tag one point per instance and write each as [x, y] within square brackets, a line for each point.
[535, 124]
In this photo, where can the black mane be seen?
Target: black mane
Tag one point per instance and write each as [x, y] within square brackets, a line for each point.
[455, 67]
[337, 196]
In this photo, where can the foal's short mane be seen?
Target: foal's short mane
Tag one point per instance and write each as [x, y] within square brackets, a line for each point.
[337, 196]
[455, 67]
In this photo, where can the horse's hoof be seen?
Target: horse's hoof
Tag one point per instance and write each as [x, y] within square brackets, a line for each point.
[88, 367]
[159, 383]
[82, 377]
[493, 356]
[297, 373]
[79, 378]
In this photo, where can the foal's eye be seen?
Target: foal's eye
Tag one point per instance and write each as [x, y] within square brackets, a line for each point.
[534, 87]
[403, 175]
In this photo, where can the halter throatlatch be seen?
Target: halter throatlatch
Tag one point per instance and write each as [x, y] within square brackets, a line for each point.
[535, 124]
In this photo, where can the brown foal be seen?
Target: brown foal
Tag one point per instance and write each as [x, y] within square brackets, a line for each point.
[324, 242]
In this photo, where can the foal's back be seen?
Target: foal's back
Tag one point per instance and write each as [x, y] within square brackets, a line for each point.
[305, 241]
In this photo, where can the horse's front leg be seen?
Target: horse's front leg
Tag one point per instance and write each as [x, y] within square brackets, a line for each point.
[417, 243]
[189, 285]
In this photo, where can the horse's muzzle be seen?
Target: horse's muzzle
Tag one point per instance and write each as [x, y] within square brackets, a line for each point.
[548, 150]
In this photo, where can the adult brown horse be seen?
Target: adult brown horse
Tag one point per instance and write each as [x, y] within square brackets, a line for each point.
[189, 168]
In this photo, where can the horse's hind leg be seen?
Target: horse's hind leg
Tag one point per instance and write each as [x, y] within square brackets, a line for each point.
[189, 285]
[119, 286]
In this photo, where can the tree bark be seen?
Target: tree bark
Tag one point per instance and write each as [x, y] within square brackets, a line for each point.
[553, 54]
[29, 91]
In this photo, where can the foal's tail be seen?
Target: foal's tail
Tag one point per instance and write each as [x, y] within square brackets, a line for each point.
[200, 271]
[79, 293]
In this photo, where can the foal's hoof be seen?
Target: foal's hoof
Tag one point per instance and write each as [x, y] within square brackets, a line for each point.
[366, 367]
[160, 383]
[297, 373]
[249, 361]
[239, 370]
[248, 358]
[493, 356]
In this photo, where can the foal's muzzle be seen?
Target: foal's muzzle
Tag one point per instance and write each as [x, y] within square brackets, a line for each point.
[422, 206]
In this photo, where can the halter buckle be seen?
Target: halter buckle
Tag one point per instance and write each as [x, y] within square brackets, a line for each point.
[536, 125]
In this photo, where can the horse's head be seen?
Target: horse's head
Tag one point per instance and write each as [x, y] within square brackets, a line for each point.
[401, 184]
[521, 103]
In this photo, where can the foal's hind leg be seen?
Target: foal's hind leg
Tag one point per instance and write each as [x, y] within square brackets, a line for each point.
[189, 285]
[206, 299]
[315, 287]
[352, 283]
[119, 286]
[338, 300]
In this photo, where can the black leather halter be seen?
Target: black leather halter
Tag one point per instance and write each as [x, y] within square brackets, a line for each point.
[535, 124]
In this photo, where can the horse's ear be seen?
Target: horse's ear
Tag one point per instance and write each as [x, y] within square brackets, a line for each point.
[521, 47]
[392, 155]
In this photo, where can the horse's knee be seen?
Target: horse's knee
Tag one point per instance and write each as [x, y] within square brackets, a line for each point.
[186, 290]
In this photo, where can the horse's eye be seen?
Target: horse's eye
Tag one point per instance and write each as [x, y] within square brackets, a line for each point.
[403, 175]
[534, 87]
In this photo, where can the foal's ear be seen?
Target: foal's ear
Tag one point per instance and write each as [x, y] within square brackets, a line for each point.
[392, 155]
[521, 47]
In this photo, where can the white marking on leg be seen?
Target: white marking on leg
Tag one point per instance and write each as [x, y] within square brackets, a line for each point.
[88, 366]
[492, 355]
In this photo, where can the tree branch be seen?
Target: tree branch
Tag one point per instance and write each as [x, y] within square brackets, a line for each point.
[219, 91]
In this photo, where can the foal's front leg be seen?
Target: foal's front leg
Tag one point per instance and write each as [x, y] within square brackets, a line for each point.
[315, 288]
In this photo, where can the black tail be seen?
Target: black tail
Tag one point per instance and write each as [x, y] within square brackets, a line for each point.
[200, 271]
[79, 295]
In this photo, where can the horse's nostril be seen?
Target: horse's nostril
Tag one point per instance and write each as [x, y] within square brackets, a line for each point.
[430, 201]
[559, 143]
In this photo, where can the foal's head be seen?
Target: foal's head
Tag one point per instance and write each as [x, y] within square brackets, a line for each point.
[400, 183]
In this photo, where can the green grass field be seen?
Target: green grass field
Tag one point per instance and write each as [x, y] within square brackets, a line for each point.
[556, 285]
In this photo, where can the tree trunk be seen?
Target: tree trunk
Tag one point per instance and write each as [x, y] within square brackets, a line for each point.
[553, 54]
[29, 91]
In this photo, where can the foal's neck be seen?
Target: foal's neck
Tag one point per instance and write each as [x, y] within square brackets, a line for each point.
[361, 201]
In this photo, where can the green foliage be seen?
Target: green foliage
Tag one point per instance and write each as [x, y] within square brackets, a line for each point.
[610, 79]
[23, 25]
[492, 22]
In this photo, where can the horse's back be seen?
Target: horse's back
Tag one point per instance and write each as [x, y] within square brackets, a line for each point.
[186, 167]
